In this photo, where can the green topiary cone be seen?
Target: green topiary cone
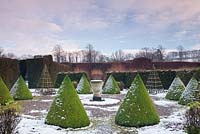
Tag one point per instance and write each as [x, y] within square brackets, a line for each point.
[111, 86]
[67, 110]
[137, 109]
[20, 91]
[175, 90]
[5, 96]
[83, 86]
[189, 93]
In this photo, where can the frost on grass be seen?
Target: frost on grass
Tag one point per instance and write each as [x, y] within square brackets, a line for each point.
[20, 91]
[189, 93]
[137, 109]
[83, 86]
[67, 110]
[111, 86]
[175, 90]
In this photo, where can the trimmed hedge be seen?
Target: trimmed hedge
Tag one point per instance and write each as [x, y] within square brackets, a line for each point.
[83, 86]
[73, 77]
[20, 91]
[175, 90]
[189, 93]
[67, 111]
[111, 86]
[5, 96]
[137, 109]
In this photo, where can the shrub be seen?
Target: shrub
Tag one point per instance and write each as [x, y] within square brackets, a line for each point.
[5, 96]
[137, 109]
[111, 86]
[20, 91]
[9, 118]
[188, 94]
[67, 110]
[175, 90]
[83, 86]
[192, 116]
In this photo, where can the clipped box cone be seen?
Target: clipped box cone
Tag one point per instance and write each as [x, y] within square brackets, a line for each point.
[188, 94]
[20, 91]
[67, 110]
[83, 86]
[175, 90]
[111, 86]
[5, 96]
[137, 109]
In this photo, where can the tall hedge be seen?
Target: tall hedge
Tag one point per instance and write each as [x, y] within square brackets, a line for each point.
[73, 76]
[111, 86]
[20, 91]
[5, 96]
[175, 90]
[67, 110]
[137, 109]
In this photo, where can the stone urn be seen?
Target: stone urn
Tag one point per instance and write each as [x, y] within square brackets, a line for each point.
[96, 86]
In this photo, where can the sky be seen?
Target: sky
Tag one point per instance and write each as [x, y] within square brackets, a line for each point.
[36, 26]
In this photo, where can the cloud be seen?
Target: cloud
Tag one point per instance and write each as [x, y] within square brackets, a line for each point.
[39, 24]
[196, 47]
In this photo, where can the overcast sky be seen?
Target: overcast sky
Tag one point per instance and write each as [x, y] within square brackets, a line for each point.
[35, 26]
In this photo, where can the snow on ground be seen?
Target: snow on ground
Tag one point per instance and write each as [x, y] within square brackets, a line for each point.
[169, 124]
[172, 124]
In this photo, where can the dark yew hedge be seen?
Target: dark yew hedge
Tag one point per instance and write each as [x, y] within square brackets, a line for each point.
[32, 68]
[166, 77]
[127, 77]
[74, 77]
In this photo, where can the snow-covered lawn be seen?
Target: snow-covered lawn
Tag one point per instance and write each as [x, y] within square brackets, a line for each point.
[102, 116]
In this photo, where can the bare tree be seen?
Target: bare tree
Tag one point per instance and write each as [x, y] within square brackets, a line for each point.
[1, 52]
[118, 56]
[89, 55]
[57, 52]
[180, 52]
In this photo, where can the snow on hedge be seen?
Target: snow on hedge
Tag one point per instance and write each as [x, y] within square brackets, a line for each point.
[111, 86]
[83, 86]
[189, 93]
[67, 110]
[175, 90]
[137, 109]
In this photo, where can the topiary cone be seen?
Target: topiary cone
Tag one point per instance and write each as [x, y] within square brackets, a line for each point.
[5, 96]
[137, 109]
[175, 90]
[188, 94]
[83, 86]
[67, 110]
[20, 91]
[111, 86]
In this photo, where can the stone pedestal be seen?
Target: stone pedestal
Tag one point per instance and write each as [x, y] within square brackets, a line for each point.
[96, 86]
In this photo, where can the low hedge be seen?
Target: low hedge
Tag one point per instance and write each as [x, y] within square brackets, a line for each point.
[73, 77]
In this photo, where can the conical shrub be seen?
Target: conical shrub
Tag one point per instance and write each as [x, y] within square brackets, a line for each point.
[83, 86]
[175, 90]
[5, 96]
[111, 86]
[137, 109]
[20, 91]
[67, 110]
[189, 93]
